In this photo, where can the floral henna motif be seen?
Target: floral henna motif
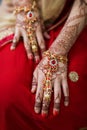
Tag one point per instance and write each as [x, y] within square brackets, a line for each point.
[70, 31]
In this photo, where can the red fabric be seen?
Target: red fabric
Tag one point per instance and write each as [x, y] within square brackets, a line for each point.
[17, 102]
[6, 39]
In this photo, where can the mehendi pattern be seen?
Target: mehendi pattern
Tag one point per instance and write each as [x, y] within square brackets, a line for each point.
[72, 28]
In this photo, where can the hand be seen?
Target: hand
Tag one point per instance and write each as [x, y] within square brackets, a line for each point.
[54, 80]
[28, 26]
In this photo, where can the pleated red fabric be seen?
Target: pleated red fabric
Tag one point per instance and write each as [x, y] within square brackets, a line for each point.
[17, 101]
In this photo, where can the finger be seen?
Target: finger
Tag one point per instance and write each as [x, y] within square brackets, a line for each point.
[35, 52]
[40, 39]
[46, 99]
[37, 58]
[34, 85]
[34, 81]
[16, 38]
[65, 90]
[46, 103]
[39, 95]
[57, 96]
[27, 44]
[46, 35]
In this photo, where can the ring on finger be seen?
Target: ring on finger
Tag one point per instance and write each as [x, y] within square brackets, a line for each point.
[34, 48]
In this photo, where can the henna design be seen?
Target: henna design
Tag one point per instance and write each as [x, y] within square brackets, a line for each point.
[57, 98]
[62, 69]
[57, 105]
[83, 2]
[45, 105]
[39, 96]
[39, 99]
[34, 83]
[44, 66]
[67, 99]
[70, 31]
[28, 18]
[37, 104]
[67, 90]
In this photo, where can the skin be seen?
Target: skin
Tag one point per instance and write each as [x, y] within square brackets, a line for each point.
[74, 24]
[20, 31]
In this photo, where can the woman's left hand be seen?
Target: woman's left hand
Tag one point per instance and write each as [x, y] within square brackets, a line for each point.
[57, 81]
[29, 27]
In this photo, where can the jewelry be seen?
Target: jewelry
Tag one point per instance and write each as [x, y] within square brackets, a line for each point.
[52, 67]
[26, 9]
[73, 76]
[30, 19]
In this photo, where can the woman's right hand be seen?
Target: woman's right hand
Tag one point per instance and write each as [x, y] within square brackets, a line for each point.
[45, 81]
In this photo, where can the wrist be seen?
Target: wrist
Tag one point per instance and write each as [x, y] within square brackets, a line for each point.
[58, 50]
[60, 47]
[60, 57]
[22, 3]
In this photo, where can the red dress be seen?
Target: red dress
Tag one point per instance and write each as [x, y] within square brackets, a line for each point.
[17, 101]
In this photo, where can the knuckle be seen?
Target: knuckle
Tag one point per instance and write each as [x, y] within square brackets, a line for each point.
[64, 76]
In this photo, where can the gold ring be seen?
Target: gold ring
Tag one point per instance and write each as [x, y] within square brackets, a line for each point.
[34, 48]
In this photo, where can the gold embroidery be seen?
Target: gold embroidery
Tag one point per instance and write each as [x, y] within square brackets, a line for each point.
[73, 76]
[6, 33]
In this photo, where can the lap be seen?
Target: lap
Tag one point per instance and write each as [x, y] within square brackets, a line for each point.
[17, 102]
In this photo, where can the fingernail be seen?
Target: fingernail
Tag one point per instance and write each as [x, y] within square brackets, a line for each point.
[44, 115]
[55, 112]
[12, 48]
